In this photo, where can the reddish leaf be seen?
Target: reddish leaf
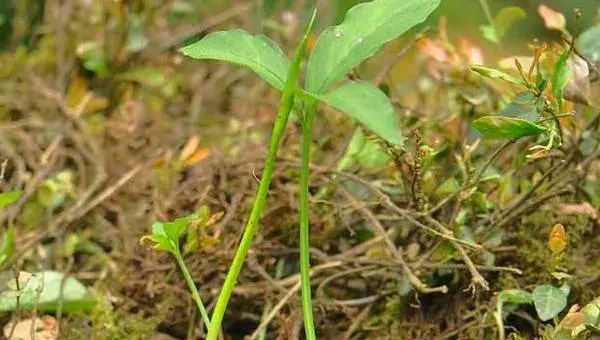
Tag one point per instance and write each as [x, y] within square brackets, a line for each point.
[552, 19]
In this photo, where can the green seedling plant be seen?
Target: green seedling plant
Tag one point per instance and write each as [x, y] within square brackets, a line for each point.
[544, 87]
[165, 237]
[532, 112]
[339, 49]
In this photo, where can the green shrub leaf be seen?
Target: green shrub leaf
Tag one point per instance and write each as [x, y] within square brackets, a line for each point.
[592, 311]
[257, 52]
[495, 74]
[9, 197]
[93, 58]
[514, 296]
[522, 106]
[365, 29]
[367, 104]
[548, 301]
[500, 127]
[560, 77]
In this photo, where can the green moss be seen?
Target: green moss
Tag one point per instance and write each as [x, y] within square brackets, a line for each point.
[108, 323]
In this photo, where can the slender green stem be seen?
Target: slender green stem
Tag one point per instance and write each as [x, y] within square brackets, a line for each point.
[255, 214]
[285, 107]
[309, 326]
[193, 289]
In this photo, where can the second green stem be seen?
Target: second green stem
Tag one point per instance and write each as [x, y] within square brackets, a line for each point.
[309, 327]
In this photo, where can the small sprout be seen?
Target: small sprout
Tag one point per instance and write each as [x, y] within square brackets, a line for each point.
[166, 235]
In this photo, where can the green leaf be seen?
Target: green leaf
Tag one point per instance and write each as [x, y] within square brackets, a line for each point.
[158, 228]
[174, 229]
[491, 174]
[450, 186]
[522, 106]
[565, 289]
[505, 19]
[560, 77]
[548, 301]
[159, 237]
[44, 291]
[490, 33]
[49, 194]
[592, 311]
[355, 146]
[367, 104]
[161, 242]
[588, 44]
[512, 296]
[373, 157]
[366, 28]
[592, 314]
[258, 53]
[54, 191]
[93, 58]
[500, 127]
[481, 201]
[495, 74]
[10, 197]
[144, 75]
[165, 236]
[8, 246]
